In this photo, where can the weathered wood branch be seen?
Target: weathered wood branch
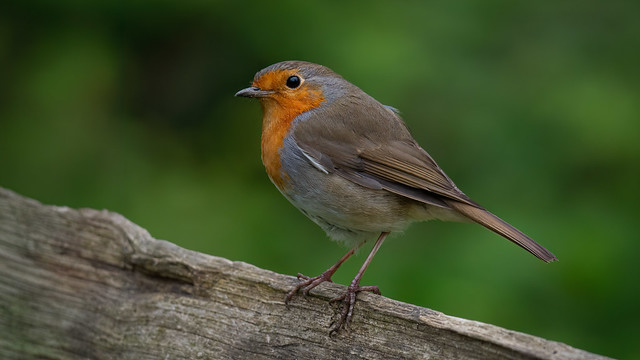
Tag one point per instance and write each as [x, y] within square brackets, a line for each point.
[90, 284]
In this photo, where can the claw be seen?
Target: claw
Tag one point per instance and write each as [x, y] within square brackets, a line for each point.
[306, 284]
[349, 298]
[301, 276]
[348, 302]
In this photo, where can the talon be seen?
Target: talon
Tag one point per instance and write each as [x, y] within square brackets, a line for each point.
[301, 276]
[288, 297]
[348, 303]
[308, 283]
[374, 289]
[305, 291]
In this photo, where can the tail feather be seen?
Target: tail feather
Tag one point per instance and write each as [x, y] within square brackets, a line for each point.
[501, 227]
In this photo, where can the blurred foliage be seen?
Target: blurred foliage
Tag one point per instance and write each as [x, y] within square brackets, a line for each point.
[533, 108]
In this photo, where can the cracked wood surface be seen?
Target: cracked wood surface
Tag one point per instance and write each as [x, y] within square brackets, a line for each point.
[84, 283]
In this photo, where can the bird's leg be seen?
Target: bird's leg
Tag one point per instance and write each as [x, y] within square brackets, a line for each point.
[308, 283]
[349, 298]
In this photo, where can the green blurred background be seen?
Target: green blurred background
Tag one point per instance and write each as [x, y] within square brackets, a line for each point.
[533, 108]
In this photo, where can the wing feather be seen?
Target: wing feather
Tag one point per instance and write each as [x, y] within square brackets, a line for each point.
[378, 152]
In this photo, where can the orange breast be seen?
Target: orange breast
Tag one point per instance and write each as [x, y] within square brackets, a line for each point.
[278, 114]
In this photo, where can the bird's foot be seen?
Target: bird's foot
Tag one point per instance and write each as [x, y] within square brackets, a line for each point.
[307, 283]
[348, 302]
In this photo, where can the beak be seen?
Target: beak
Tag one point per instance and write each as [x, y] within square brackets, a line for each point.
[253, 92]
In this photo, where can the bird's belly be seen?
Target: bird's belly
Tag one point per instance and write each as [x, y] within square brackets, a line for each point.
[345, 210]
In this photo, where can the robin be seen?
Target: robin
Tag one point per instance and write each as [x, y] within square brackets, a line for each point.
[350, 164]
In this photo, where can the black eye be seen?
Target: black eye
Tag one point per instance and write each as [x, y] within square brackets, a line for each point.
[293, 82]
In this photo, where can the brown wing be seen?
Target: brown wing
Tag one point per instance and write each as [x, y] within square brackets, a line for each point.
[405, 163]
[378, 152]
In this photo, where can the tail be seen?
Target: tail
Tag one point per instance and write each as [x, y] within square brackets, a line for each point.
[499, 226]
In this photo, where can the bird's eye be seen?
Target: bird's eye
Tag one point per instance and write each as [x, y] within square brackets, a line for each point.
[293, 82]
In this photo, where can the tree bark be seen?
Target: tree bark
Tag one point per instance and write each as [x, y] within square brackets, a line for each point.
[84, 283]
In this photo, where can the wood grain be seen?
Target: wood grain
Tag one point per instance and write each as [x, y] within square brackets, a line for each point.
[89, 284]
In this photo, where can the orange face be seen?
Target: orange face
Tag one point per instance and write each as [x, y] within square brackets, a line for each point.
[285, 95]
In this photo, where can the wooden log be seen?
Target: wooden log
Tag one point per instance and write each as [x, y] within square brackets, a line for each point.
[85, 283]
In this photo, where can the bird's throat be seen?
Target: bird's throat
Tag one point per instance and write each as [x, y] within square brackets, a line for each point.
[275, 126]
[277, 120]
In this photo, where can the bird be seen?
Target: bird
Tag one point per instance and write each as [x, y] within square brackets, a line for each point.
[350, 164]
